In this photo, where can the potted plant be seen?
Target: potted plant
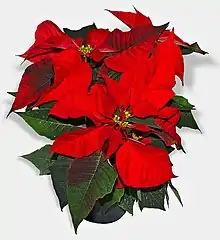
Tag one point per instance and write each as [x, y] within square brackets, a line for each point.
[106, 100]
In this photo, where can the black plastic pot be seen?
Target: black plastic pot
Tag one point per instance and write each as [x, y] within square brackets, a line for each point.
[97, 215]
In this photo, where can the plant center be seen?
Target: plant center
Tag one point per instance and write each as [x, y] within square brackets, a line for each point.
[85, 49]
[121, 119]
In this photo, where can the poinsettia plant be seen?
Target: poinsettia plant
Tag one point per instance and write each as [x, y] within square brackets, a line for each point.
[106, 100]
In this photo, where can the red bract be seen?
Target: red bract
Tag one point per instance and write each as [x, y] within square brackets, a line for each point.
[54, 51]
[112, 125]
[120, 40]
[35, 81]
[138, 19]
[154, 77]
[150, 81]
[132, 19]
[72, 73]
[50, 40]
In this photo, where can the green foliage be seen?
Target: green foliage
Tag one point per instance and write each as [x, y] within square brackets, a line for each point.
[149, 121]
[157, 142]
[41, 158]
[183, 103]
[128, 200]
[59, 176]
[47, 105]
[194, 47]
[152, 198]
[44, 124]
[111, 199]
[114, 75]
[187, 119]
[90, 178]
[175, 192]
[12, 93]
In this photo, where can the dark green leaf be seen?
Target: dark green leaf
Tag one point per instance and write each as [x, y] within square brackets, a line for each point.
[127, 202]
[153, 198]
[183, 103]
[114, 75]
[59, 174]
[47, 105]
[95, 72]
[80, 33]
[96, 78]
[12, 93]
[147, 121]
[194, 47]
[90, 178]
[187, 120]
[45, 125]
[167, 196]
[175, 192]
[157, 142]
[111, 199]
[41, 158]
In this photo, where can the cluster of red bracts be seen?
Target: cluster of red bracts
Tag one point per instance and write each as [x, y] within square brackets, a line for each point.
[148, 59]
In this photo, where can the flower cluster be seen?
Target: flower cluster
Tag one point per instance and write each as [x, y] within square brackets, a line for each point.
[106, 99]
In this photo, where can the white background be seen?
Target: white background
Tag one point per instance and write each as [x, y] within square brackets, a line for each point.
[28, 207]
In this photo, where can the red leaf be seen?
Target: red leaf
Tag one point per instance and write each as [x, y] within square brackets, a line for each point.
[132, 19]
[64, 63]
[138, 19]
[45, 30]
[168, 124]
[120, 40]
[143, 166]
[71, 94]
[35, 81]
[118, 91]
[49, 40]
[105, 105]
[189, 48]
[83, 142]
[115, 139]
[125, 60]
[168, 63]
[96, 37]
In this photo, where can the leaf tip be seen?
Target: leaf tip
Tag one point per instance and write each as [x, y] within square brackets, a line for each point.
[181, 148]
[166, 24]
[66, 30]
[21, 56]
[9, 113]
[134, 8]
[11, 93]
[200, 130]
[76, 229]
[204, 52]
